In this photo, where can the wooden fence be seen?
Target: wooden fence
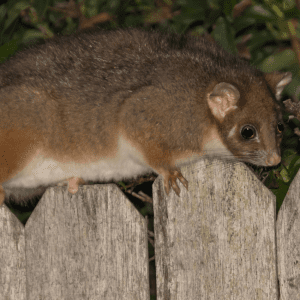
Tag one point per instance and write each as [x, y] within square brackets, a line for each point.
[219, 240]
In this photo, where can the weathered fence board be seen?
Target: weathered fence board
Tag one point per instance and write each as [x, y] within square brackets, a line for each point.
[12, 257]
[288, 243]
[218, 240]
[92, 245]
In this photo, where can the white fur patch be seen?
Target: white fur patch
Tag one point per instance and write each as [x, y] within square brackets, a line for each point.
[216, 148]
[128, 163]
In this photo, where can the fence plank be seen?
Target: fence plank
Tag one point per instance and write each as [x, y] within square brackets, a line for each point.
[288, 237]
[217, 241]
[12, 256]
[92, 245]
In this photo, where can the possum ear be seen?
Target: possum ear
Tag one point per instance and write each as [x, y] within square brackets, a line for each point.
[277, 81]
[223, 99]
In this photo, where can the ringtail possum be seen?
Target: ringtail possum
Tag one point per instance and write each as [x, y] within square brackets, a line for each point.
[112, 105]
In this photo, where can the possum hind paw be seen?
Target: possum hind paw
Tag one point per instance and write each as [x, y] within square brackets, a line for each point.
[73, 184]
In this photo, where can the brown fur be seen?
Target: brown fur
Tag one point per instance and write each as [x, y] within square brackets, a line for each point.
[129, 98]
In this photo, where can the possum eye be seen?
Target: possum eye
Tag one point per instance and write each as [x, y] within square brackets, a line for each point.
[248, 132]
[280, 127]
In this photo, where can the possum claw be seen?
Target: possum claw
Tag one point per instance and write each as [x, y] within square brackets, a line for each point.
[173, 175]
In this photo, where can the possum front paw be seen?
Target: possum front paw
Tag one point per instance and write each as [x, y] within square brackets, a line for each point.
[172, 176]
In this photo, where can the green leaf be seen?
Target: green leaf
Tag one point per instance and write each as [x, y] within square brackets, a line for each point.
[14, 13]
[2, 12]
[287, 153]
[227, 6]
[278, 61]
[285, 175]
[292, 13]
[280, 193]
[121, 183]
[261, 13]
[31, 35]
[224, 34]
[8, 49]
[259, 39]
[191, 14]
[295, 162]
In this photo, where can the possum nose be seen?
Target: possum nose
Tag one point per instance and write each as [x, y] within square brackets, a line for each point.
[273, 160]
